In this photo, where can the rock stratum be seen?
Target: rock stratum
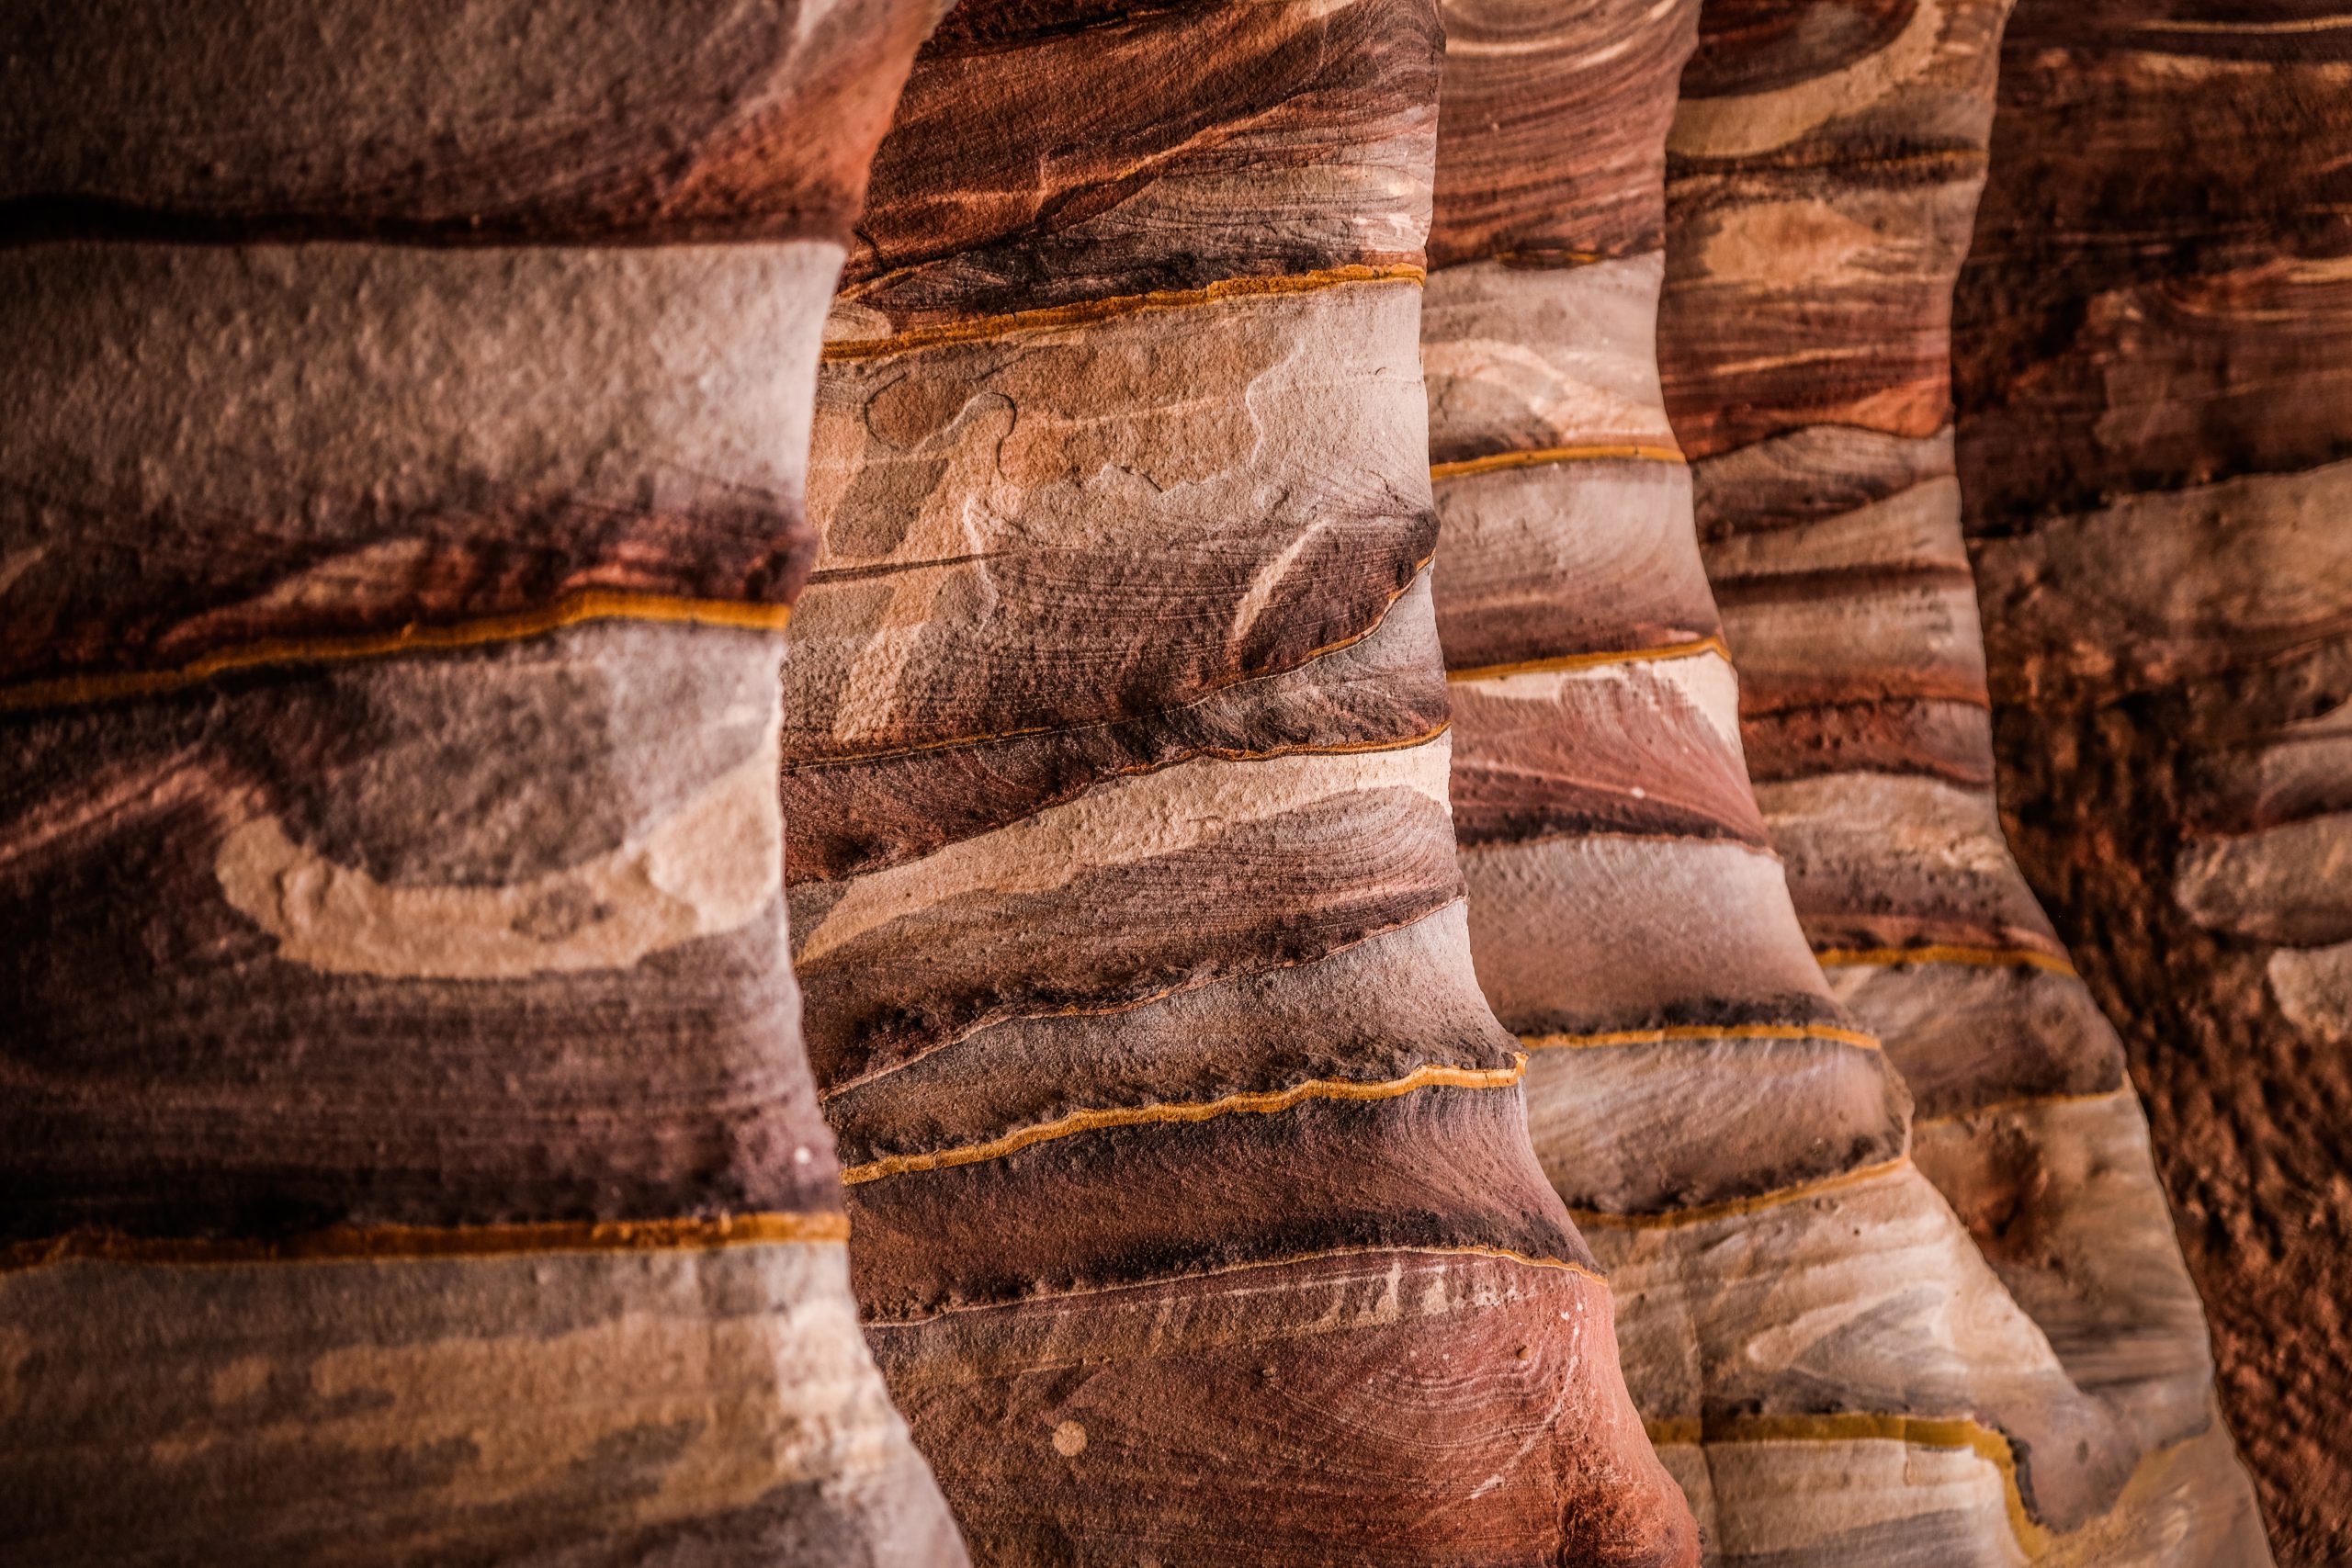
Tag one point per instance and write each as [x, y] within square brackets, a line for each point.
[1363, 916]
[1824, 1356]
[1194, 1214]
[1822, 180]
[2155, 354]
[407, 1152]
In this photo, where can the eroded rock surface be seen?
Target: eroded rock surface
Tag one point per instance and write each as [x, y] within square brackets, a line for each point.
[2154, 354]
[1196, 1216]
[407, 1152]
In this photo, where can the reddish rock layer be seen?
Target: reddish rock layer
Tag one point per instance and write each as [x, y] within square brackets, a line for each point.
[1829, 1366]
[2154, 352]
[407, 1152]
[1822, 177]
[1194, 1212]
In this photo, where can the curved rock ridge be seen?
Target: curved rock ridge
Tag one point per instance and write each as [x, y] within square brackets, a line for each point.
[1823, 175]
[407, 1151]
[1829, 1366]
[1195, 1218]
[2153, 352]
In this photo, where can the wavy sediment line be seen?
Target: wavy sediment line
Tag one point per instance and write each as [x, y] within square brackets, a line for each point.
[1539, 456]
[1916, 1431]
[1255, 1103]
[1701, 1032]
[844, 350]
[1730, 1208]
[1943, 952]
[1706, 645]
[390, 1243]
[573, 609]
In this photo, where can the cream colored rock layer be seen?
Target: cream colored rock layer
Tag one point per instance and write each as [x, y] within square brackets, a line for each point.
[592, 1394]
[261, 378]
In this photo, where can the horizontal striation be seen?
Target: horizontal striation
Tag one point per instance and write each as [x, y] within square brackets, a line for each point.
[1811, 298]
[1648, 749]
[1604, 932]
[2285, 885]
[1968, 1035]
[1771, 1312]
[717, 1403]
[979, 500]
[1855, 636]
[1822, 188]
[1162, 1025]
[1123, 896]
[512, 121]
[1837, 83]
[556, 995]
[2159, 296]
[1553, 125]
[1559, 561]
[1381, 1016]
[1817, 204]
[2279, 773]
[1811, 1103]
[2058, 1189]
[1442, 1168]
[1155, 149]
[408, 1150]
[2169, 586]
[1530, 361]
[1878, 861]
[214, 456]
[1278, 1391]
[854, 816]
[2154, 418]
[1945, 738]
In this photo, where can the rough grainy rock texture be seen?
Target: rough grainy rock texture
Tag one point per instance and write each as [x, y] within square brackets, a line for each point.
[1195, 1217]
[1831, 1368]
[2155, 351]
[1825, 165]
[407, 1153]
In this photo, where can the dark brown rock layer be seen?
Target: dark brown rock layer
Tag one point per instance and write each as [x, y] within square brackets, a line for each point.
[2156, 408]
[407, 1150]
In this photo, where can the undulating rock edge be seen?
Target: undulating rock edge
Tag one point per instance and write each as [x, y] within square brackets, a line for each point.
[1823, 169]
[407, 1153]
[2153, 352]
[1195, 1215]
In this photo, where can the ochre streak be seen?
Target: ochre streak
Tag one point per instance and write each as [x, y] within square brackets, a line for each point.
[1982, 957]
[1086, 311]
[1538, 456]
[347, 1243]
[1258, 1102]
[590, 604]
[1709, 644]
[1701, 1032]
[1700, 1213]
[1917, 1431]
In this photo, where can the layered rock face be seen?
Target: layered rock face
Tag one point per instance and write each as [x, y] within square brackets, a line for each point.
[2154, 350]
[1825, 162]
[1196, 1216]
[1830, 1368]
[408, 1154]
